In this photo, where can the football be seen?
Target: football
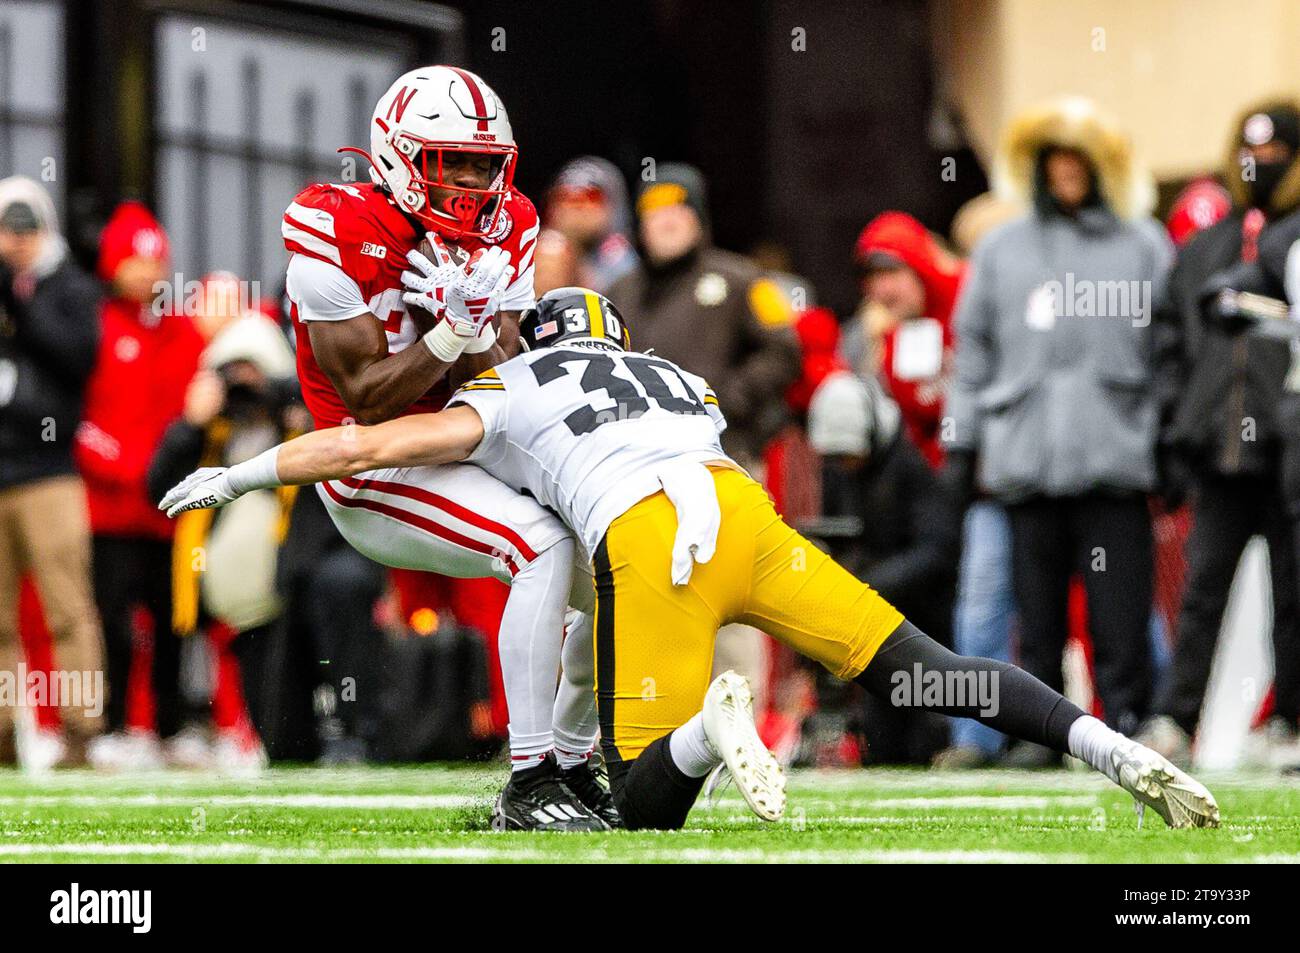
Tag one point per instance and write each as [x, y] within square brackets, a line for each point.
[425, 248]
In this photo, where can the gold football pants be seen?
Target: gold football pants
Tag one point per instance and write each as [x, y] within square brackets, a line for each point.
[654, 640]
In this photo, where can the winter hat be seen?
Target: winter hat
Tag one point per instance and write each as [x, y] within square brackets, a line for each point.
[899, 238]
[840, 416]
[1197, 207]
[1280, 121]
[675, 183]
[131, 231]
[25, 205]
[23, 202]
[256, 339]
[600, 175]
[849, 416]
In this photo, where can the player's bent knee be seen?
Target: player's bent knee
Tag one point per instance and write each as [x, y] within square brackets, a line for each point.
[652, 793]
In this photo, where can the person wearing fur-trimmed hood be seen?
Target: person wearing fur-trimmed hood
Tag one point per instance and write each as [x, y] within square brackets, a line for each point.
[1052, 407]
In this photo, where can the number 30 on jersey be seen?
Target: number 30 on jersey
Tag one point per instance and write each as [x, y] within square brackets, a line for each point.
[627, 399]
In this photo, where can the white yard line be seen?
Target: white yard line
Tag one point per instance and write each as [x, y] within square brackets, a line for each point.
[424, 802]
[405, 780]
[230, 850]
[355, 802]
[997, 802]
[816, 807]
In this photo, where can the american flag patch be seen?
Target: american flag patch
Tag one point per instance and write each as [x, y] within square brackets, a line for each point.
[550, 327]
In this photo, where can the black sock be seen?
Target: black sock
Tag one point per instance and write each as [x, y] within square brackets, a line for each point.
[1026, 708]
[652, 792]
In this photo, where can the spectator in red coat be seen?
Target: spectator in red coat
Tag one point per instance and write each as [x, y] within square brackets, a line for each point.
[819, 340]
[148, 355]
[792, 467]
[904, 331]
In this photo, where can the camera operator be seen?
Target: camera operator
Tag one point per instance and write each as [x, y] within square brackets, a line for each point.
[241, 402]
[898, 529]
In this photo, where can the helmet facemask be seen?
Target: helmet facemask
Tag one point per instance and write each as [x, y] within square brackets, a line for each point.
[465, 212]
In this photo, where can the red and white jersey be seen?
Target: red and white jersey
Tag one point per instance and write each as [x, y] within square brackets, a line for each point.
[358, 231]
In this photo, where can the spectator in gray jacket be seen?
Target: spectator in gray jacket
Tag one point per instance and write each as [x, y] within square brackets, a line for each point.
[1053, 393]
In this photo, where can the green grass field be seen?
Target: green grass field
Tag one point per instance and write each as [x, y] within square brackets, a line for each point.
[441, 814]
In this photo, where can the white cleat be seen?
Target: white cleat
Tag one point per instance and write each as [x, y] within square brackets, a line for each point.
[41, 750]
[1176, 796]
[729, 725]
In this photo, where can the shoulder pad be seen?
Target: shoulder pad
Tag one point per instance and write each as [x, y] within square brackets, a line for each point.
[488, 380]
[339, 225]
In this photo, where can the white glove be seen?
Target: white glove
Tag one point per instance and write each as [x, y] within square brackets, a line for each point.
[203, 489]
[210, 487]
[426, 287]
[471, 301]
[474, 296]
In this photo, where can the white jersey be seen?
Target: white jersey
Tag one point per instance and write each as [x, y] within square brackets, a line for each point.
[588, 429]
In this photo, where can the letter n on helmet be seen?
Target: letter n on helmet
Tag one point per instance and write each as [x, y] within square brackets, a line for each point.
[426, 114]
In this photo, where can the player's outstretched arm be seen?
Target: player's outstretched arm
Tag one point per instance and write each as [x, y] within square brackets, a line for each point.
[448, 436]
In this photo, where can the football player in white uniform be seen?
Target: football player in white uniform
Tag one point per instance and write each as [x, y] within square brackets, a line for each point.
[624, 447]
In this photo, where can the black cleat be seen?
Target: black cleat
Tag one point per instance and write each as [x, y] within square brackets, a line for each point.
[591, 785]
[535, 800]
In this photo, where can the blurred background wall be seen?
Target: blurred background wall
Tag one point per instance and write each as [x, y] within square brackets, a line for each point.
[1176, 72]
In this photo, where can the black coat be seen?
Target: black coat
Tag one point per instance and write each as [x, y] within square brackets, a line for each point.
[908, 540]
[1220, 387]
[48, 344]
[1268, 276]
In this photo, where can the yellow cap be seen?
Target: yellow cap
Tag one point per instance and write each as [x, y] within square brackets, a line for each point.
[661, 195]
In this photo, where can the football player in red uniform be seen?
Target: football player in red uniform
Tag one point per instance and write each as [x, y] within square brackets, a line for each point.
[442, 160]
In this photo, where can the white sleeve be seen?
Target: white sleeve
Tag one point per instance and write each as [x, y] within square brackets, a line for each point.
[519, 293]
[322, 292]
[490, 403]
[713, 410]
[704, 393]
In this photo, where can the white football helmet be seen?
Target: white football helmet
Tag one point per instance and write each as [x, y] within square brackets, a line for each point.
[429, 111]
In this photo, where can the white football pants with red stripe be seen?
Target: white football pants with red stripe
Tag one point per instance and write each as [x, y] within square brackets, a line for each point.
[460, 521]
